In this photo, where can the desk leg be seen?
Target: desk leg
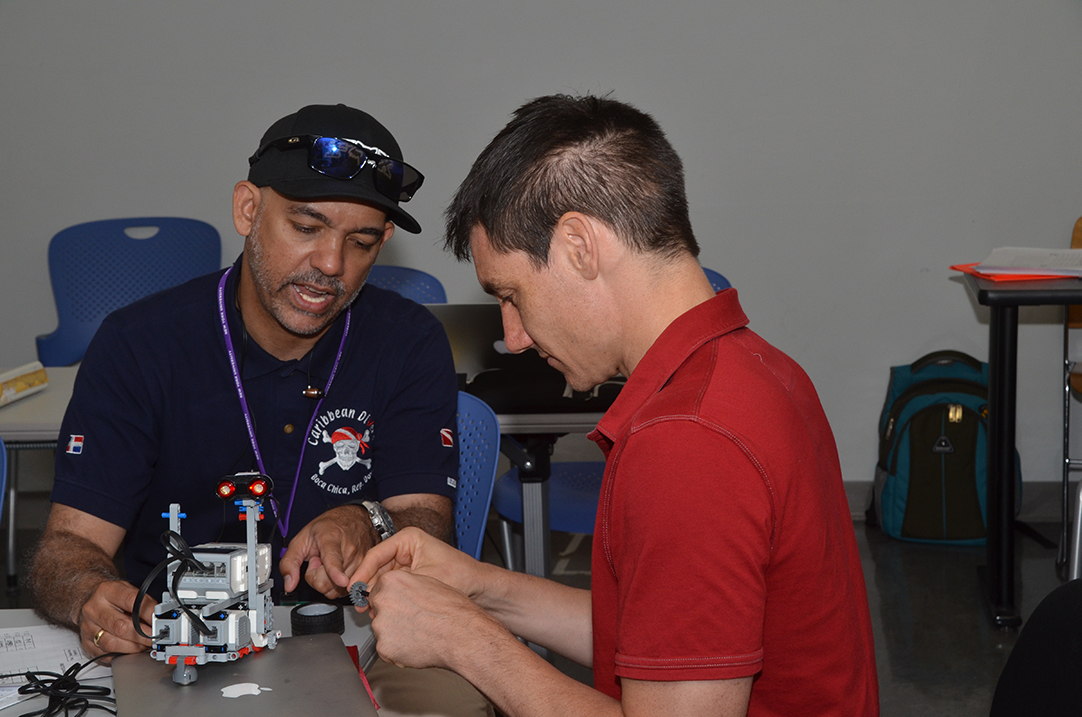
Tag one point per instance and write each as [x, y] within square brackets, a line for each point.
[535, 527]
[534, 469]
[1002, 396]
[12, 492]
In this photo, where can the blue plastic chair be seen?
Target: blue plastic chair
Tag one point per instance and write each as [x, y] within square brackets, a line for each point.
[413, 284]
[98, 267]
[717, 281]
[574, 489]
[478, 453]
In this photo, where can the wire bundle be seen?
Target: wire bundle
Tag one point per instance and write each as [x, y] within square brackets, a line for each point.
[66, 696]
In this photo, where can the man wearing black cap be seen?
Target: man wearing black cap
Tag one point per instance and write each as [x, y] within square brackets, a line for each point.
[266, 366]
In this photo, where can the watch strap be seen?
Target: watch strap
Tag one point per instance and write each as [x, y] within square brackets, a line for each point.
[381, 519]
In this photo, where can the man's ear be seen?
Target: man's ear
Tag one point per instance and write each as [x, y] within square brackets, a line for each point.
[577, 237]
[246, 199]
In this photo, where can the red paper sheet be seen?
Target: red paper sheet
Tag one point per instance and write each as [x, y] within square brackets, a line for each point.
[971, 269]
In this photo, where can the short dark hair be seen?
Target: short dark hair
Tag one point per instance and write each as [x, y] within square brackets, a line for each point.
[559, 154]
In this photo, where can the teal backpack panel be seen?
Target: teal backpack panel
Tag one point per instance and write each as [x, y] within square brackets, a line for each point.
[931, 477]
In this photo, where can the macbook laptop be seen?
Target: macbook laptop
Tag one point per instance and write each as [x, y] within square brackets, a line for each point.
[306, 675]
[476, 335]
[510, 383]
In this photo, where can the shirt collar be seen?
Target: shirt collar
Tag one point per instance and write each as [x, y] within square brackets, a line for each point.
[705, 322]
[258, 362]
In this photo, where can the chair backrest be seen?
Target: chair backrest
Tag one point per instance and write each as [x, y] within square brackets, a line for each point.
[98, 267]
[717, 281]
[413, 284]
[478, 454]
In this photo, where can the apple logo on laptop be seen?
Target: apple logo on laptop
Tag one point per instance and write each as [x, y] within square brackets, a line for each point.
[243, 688]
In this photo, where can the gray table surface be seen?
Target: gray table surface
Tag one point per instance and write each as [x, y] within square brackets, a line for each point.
[358, 633]
[37, 418]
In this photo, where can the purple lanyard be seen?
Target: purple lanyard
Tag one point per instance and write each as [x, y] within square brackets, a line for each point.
[283, 527]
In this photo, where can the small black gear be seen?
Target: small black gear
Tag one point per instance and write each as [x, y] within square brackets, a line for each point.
[358, 594]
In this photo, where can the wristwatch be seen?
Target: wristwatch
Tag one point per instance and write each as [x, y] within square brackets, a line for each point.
[381, 519]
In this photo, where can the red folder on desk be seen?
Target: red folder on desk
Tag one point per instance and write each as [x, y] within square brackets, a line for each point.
[971, 269]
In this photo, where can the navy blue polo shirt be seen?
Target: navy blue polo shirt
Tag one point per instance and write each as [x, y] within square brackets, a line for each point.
[155, 418]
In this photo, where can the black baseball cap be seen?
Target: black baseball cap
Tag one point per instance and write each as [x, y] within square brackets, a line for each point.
[287, 170]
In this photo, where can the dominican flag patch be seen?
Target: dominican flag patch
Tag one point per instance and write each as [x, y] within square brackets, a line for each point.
[446, 437]
[75, 445]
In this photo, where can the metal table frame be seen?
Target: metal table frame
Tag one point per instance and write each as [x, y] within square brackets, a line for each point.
[527, 440]
[1003, 300]
[31, 423]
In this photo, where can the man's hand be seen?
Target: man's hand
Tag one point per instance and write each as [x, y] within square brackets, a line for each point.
[108, 612]
[421, 600]
[333, 545]
[74, 583]
[420, 622]
[418, 552]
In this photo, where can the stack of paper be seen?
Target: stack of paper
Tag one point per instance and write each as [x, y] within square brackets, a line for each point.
[22, 382]
[1022, 263]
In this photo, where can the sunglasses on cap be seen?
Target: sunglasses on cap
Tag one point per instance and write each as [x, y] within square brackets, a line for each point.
[345, 158]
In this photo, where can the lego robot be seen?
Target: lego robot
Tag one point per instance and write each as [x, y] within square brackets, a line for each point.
[217, 605]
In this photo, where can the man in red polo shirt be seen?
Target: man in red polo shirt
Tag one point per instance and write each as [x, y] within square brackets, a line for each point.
[726, 578]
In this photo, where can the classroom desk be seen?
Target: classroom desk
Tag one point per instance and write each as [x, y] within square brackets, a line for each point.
[527, 440]
[358, 632]
[1003, 300]
[27, 424]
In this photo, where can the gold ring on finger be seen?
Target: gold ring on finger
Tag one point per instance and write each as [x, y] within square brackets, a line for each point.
[98, 637]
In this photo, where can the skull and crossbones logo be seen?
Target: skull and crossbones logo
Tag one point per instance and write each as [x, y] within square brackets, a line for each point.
[347, 444]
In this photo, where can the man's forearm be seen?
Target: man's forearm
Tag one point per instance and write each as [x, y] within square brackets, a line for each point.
[429, 520]
[522, 684]
[542, 611]
[64, 572]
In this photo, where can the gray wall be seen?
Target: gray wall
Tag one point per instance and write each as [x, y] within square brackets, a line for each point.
[840, 155]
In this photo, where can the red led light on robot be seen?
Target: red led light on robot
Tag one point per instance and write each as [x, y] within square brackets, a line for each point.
[226, 489]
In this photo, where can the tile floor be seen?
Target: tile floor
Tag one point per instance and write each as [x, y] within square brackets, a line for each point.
[936, 651]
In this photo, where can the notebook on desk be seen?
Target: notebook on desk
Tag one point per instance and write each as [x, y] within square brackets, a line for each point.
[306, 675]
[509, 382]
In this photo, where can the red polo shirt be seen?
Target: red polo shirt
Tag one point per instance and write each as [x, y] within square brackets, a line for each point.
[724, 546]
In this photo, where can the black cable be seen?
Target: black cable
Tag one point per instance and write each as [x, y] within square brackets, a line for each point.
[66, 696]
[176, 549]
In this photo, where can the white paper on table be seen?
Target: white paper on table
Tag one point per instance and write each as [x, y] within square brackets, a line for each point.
[1028, 260]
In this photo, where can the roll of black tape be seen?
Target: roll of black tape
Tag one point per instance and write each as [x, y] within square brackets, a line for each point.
[317, 617]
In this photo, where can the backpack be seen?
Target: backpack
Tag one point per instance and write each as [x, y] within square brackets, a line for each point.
[931, 478]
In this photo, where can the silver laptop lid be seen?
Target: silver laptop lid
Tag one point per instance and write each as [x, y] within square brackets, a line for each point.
[306, 675]
[476, 335]
[511, 384]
